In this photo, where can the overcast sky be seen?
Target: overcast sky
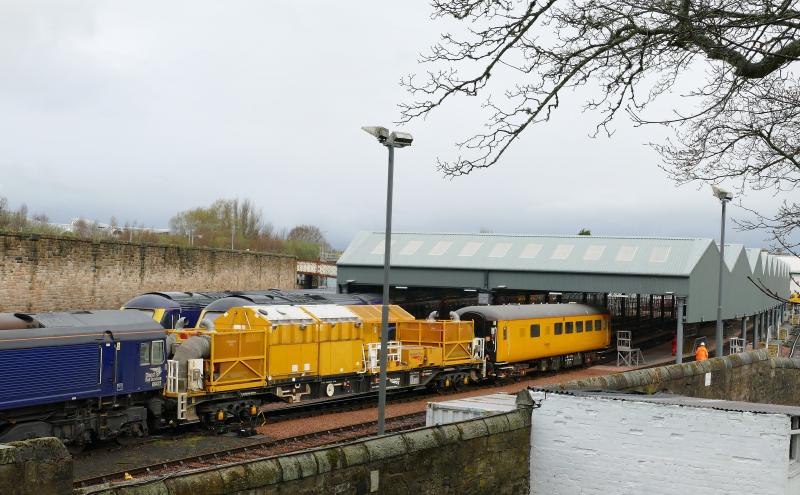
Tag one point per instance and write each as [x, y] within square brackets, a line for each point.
[142, 109]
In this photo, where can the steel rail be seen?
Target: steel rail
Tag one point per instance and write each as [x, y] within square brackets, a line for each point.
[220, 455]
[794, 344]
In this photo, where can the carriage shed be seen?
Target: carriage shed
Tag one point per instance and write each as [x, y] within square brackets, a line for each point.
[613, 266]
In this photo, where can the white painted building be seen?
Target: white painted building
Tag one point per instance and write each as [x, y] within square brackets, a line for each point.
[589, 443]
[452, 411]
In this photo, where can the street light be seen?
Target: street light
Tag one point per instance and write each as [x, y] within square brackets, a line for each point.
[391, 140]
[724, 196]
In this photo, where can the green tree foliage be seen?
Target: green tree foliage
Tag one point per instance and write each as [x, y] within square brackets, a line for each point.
[224, 221]
[242, 222]
[585, 232]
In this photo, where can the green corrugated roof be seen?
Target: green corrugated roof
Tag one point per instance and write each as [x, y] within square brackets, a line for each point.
[531, 253]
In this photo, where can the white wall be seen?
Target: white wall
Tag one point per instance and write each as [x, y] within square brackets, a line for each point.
[588, 446]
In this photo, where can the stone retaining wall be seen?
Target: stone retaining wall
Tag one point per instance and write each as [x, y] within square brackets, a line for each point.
[750, 377]
[41, 466]
[490, 455]
[40, 273]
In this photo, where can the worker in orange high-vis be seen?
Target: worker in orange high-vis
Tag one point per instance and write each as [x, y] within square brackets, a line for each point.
[701, 354]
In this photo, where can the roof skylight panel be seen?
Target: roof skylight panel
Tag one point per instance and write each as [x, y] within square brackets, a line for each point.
[593, 253]
[500, 250]
[440, 248]
[531, 251]
[411, 247]
[562, 251]
[380, 247]
[470, 248]
[660, 254]
[626, 253]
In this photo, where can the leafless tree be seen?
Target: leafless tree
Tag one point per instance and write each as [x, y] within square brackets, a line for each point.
[741, 120]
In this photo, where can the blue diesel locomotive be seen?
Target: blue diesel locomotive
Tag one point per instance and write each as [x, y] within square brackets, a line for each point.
[168, 307]
[80, 376]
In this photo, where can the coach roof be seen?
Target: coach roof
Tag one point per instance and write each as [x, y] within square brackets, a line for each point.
[527, 311]
[79, 327]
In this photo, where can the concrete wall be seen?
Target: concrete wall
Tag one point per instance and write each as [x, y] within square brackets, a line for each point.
[41, 466]
[749, 377]
[48, 273]
[594, 446]
[482, 456]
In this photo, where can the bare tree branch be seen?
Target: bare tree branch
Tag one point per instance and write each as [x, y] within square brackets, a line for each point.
[744, 120]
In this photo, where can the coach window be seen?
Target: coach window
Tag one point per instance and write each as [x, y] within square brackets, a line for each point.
[535, 331]
[598, 325]
[157, 354]
[558, 329]
[578, 327]
[569, 327]
[588, 325]
[144, 354]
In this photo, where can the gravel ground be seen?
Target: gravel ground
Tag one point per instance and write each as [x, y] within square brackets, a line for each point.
[294, 427]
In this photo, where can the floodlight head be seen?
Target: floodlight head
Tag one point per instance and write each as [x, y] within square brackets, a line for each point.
[721, 193]
[400, 139]
[381, 133]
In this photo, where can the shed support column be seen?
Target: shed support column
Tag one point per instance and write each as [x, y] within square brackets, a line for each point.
[744, 334]
[679, 334]
[767, 324]
[775, 323]
[756, 319]
[770, 322]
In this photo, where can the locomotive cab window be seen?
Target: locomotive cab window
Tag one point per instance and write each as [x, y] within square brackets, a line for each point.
[558, 329]
[157, 352]
[578, 327]
[569, 327]
[589, 325]
[144, 354]
[151, 353]
[535, 331]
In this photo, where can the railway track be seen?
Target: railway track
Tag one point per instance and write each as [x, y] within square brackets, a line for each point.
[322, 407]
[256, 451]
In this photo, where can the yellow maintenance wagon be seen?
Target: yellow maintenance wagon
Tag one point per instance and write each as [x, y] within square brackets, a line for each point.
[255, 354]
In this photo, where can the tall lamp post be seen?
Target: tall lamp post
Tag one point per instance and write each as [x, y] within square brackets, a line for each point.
[391, 140]
[724, 196]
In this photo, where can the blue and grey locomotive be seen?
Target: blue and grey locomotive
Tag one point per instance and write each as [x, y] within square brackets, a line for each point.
[80, 376]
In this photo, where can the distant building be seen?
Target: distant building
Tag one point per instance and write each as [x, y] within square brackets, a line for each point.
[78, 225]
